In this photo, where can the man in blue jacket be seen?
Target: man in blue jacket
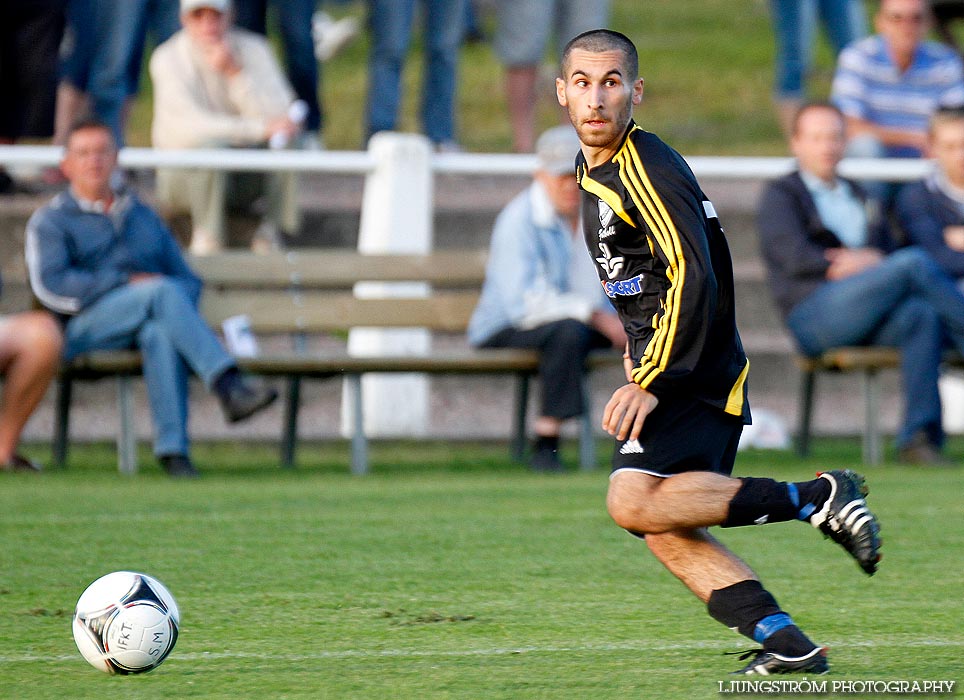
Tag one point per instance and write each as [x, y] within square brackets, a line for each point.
[837, 283]
[110, 269]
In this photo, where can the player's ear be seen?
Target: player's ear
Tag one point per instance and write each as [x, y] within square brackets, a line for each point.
[638, 91]
[561, 92]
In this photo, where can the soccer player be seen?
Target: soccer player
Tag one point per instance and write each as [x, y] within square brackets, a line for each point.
[664, 262]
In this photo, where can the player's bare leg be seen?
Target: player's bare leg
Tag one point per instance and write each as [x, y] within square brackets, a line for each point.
[648, 504]
[699, 560]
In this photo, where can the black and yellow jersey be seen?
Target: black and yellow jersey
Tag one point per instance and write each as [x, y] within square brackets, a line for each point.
[663, 261]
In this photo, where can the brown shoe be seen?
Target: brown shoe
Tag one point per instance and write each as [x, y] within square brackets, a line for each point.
[923, 453]
[19, 463]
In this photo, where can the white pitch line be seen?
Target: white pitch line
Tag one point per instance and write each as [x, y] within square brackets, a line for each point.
[496, 651]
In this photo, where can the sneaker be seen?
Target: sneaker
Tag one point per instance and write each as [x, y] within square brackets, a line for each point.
[846, 519]
[244, 397]
[766, 663]
[19, 463]
[179, 466]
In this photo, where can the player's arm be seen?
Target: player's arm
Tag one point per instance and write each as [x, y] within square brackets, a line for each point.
[671, 206]
[627, 410]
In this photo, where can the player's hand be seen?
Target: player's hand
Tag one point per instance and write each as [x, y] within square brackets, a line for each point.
[136, 277]
[626, 411]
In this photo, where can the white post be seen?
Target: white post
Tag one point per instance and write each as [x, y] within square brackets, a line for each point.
[396, 217]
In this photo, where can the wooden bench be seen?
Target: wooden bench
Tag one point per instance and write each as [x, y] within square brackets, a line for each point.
[869, 361]
[300, 294]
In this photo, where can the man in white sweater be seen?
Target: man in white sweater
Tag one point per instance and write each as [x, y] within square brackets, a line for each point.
[217, 86]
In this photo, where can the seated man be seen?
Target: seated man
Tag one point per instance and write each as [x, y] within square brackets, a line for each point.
[890, 83]
[541, 290]
[215, 86]
[30, 345]
[107, 265]
[931, 212]
[836, 283]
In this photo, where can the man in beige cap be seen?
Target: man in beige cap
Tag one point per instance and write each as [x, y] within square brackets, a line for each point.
[541, 290]
[217, 86]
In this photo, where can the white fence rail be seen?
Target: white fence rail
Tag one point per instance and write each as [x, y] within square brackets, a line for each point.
[362, 162]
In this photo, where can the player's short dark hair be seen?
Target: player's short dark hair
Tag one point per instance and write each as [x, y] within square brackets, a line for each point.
[88, 122]
[810, 106]
[599, 40]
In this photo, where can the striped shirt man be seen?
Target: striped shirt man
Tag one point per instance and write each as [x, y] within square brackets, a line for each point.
[868, 85]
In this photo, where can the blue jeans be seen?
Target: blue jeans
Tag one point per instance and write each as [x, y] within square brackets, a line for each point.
[120, 30]
[391, 29]
[294, 21]
[906, 302]
[795, 22]
[158, 318]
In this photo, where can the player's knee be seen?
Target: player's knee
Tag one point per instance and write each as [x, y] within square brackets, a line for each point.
[629, 510]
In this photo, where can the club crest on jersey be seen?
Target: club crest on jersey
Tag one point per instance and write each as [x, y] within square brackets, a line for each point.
[624, 288]
[605, 214]
[608, 262]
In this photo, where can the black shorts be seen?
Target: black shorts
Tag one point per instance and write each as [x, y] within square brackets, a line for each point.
[682, 436]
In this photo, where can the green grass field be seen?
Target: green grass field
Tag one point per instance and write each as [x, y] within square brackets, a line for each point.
[447, 573]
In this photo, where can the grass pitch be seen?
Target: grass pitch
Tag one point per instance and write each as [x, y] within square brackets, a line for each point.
[447, 573]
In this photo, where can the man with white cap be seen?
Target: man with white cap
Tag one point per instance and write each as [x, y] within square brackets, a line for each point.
[541, 290]
[218, 86]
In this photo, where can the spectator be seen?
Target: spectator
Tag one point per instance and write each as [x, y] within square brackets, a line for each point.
[30, 35]
[107, 265]
[541, 290]
[889, 84]
[391, 24]
[794, 25]
[523, 31]
[836, 283]
[215, 86]
[931, 212]
[295, 22]
[30, 346]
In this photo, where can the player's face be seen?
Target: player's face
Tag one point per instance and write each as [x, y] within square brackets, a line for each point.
[819, 142]
[947, 147]
[599, 96]
[89, 160]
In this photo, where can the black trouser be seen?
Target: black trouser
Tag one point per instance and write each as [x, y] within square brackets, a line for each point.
[564, 345]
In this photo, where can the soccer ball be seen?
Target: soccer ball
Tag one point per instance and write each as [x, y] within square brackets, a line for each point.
[125, 623]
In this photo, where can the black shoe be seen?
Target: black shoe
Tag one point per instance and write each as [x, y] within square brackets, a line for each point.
[179, 466]
[846, 519]
[19, 463]
[766, 663]
[546, 461]
[243, 398]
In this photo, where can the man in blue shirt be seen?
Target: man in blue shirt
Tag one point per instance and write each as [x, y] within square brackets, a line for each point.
[110, 269]
[541, 290]
[889, 84]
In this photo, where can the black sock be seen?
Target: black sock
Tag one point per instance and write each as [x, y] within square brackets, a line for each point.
[751, 610]
[762, 501]
[812, 495]
[549, 443]
[226, 380]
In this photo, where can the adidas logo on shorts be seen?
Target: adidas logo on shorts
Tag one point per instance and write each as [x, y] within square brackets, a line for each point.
[631, 447]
